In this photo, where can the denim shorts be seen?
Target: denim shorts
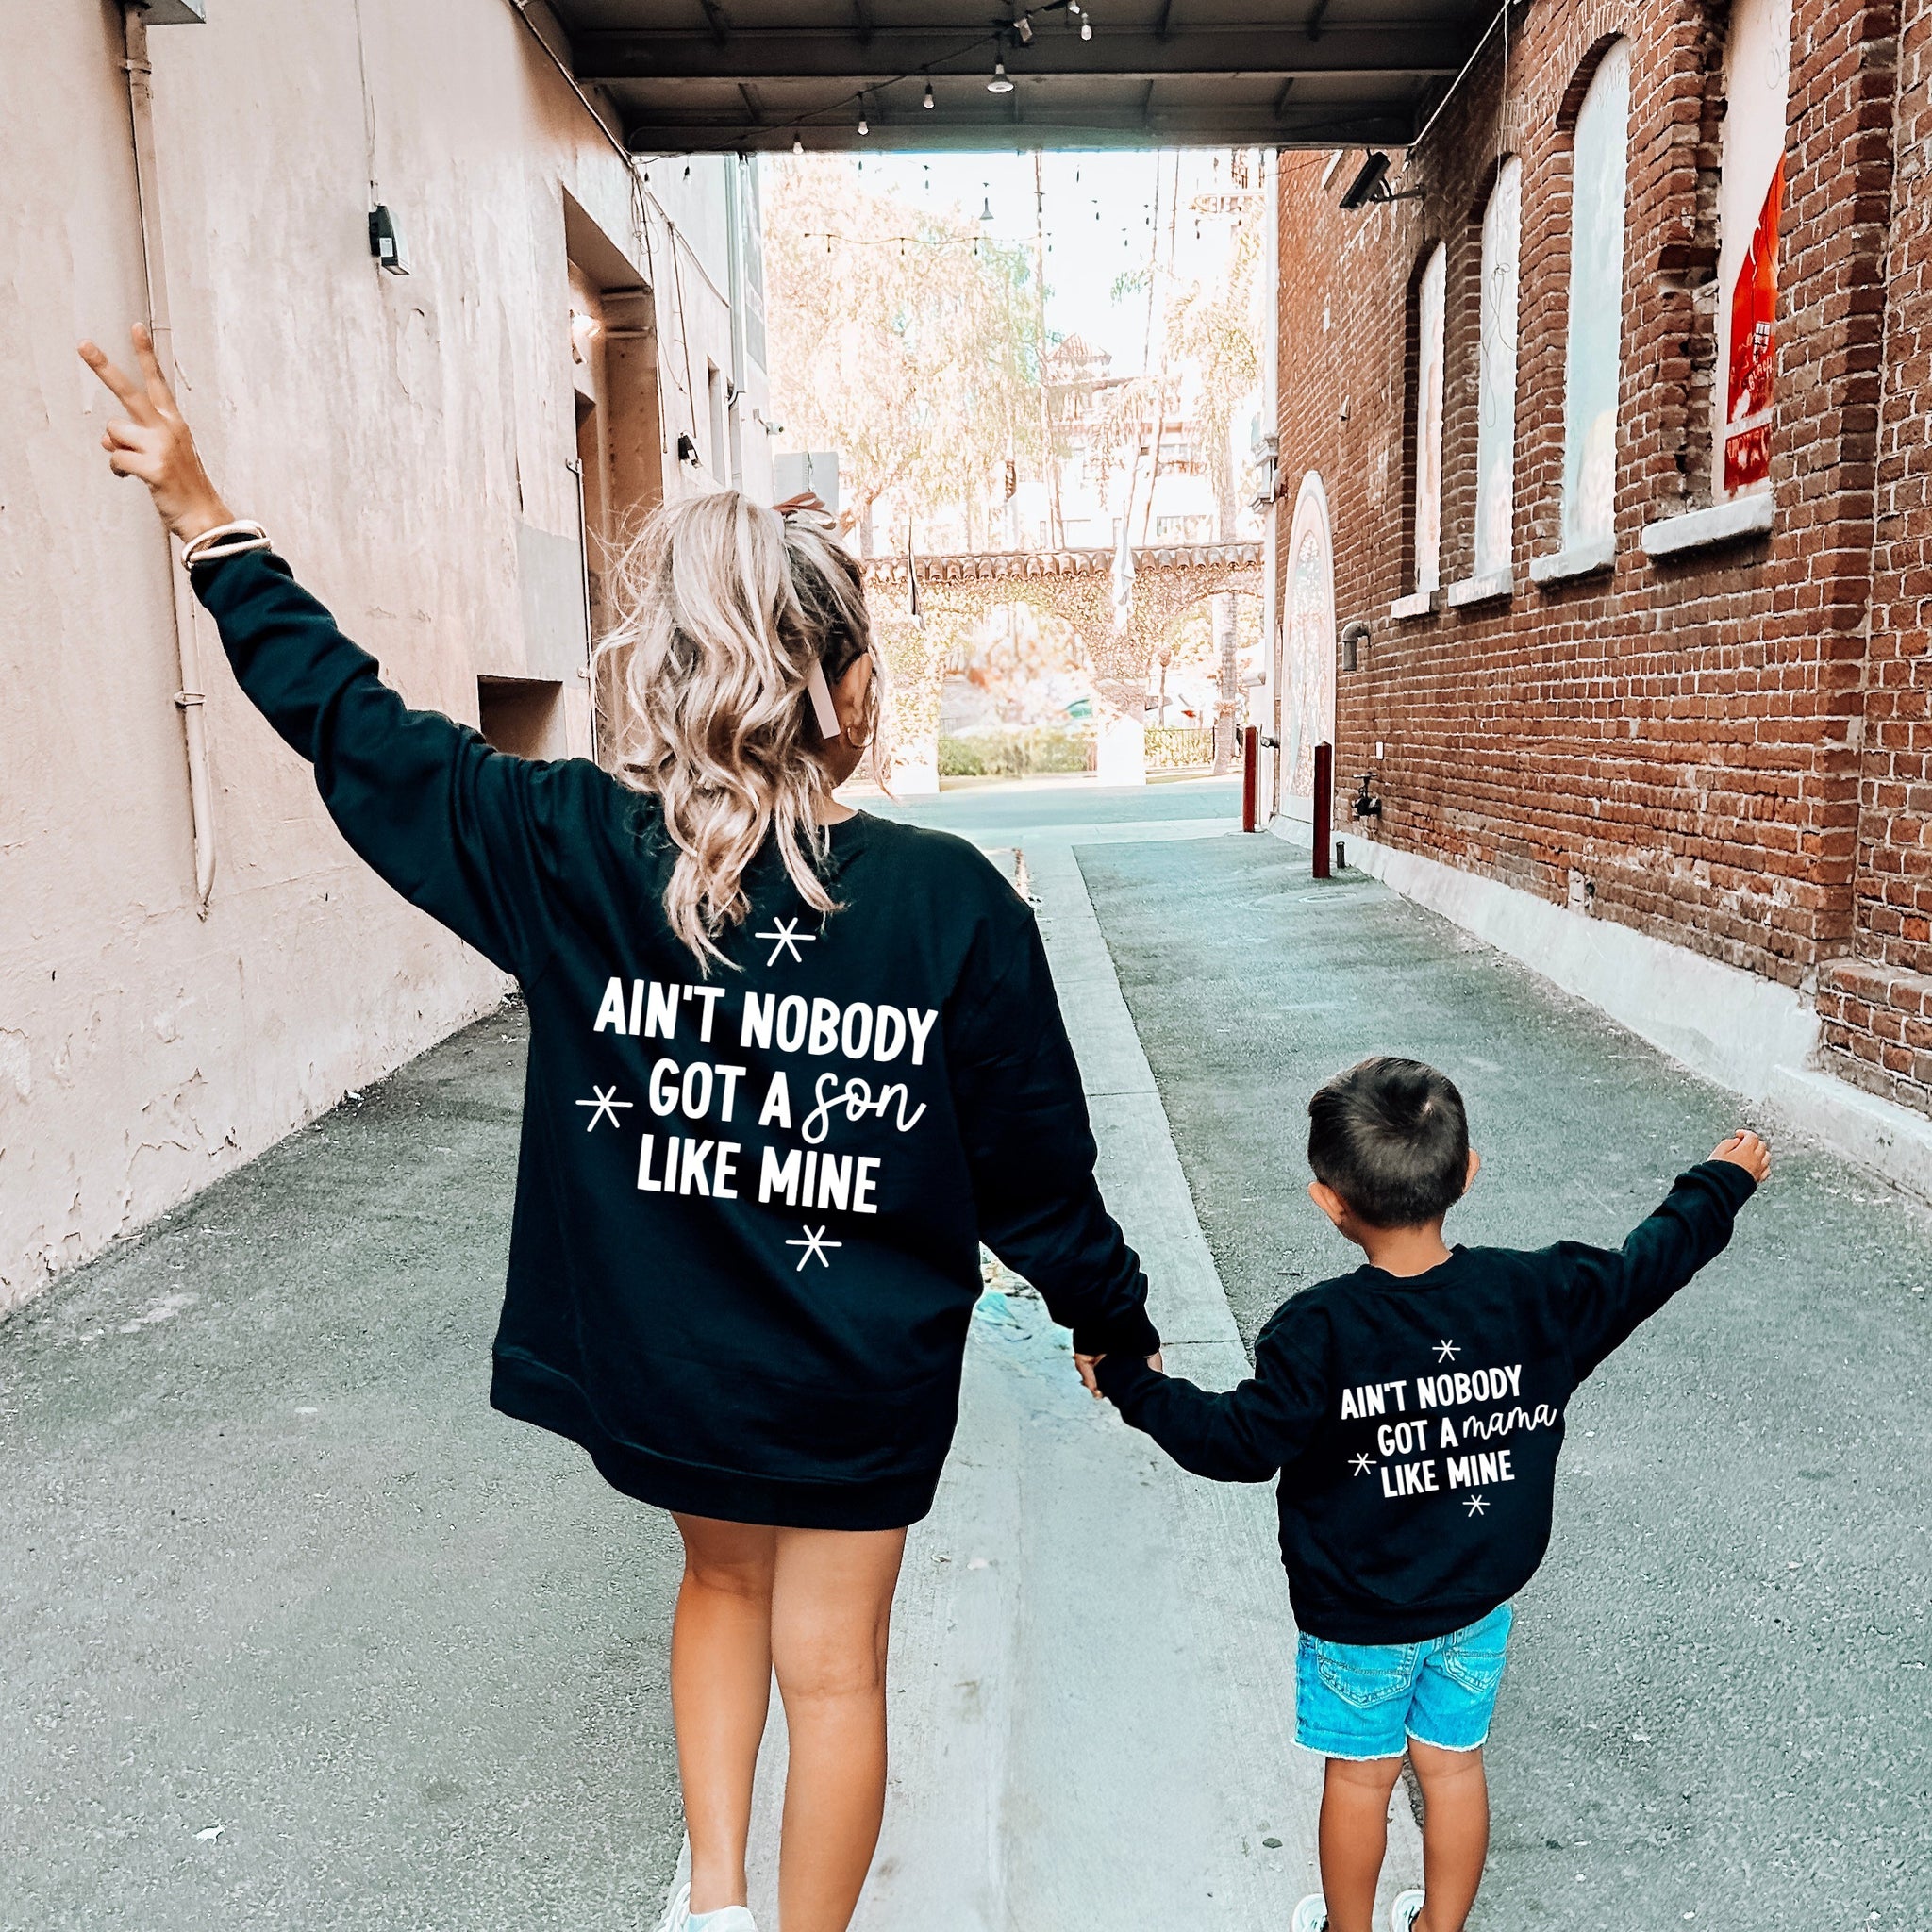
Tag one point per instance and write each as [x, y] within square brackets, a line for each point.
[1365, 1700]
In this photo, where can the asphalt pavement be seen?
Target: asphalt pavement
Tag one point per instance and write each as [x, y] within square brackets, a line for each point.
[298, 1633]
[1717, 1711]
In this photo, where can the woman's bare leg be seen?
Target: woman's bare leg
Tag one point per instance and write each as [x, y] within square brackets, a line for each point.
[721, 1683]
[831, 1613]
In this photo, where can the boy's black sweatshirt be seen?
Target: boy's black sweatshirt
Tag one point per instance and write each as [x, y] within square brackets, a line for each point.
[745, 1246]
[1415, 1421]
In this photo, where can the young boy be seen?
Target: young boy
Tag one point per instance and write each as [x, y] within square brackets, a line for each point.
[1414, 1410]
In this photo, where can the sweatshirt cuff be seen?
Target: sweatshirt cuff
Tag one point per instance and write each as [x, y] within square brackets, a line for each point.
[1120, 1377]
[1129, 1334]
[1733, 1183]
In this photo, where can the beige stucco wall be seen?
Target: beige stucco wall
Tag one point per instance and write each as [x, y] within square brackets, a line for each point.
[404, 438]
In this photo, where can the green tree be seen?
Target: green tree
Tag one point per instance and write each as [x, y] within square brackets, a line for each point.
[905, 341]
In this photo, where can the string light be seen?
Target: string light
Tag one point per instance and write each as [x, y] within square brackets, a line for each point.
[798, 145]
[1086, 28]
[927, 102]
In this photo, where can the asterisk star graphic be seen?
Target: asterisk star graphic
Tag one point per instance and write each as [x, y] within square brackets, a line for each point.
[814, 1243]
[1446, 1351]
[1474, 1504]
[785, 935]
[606, 1104]
[1363, 1465]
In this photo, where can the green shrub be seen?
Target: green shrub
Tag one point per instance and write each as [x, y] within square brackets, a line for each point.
[1014, 750]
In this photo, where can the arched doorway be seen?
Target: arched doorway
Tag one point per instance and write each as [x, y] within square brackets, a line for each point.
[1307, 649]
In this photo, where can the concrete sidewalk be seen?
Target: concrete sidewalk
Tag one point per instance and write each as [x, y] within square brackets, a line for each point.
[1093, 1659]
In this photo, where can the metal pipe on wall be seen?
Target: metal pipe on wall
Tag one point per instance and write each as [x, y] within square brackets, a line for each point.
[154, 269]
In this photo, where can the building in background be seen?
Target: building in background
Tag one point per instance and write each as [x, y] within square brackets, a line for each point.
[191, 962]
[1602, 525]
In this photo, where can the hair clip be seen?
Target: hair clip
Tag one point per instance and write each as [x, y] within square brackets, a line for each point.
[823, 707]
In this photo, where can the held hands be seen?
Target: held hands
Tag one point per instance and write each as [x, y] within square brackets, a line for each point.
[1746, 1150]
[1085, 1364]
[152, 442]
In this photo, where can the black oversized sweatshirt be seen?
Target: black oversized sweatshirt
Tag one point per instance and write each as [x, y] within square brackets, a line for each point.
[746, 1244]
[1415, 1421]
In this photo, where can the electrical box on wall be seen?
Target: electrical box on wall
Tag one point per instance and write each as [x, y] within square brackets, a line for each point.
[386, 242]
[174, 13]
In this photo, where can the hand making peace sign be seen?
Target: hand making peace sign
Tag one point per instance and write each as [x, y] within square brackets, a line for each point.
[153, 442]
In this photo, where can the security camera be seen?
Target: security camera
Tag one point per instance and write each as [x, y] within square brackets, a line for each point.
[1371, 177]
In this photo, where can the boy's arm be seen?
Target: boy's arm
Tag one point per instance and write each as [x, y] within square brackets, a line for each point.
[1243, 1435]
[1607, 1293]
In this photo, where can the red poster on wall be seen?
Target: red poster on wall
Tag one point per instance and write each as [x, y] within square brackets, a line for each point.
[1753, 305]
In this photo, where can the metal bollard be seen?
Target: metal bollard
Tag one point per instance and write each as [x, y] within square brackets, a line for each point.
[1324, 804]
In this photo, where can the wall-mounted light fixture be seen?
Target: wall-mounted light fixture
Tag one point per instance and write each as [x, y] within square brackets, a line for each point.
[1355, 640]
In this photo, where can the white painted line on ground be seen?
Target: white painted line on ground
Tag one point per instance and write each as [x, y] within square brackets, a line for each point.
[1093, 1659]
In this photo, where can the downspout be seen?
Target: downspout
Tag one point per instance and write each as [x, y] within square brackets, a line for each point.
[735, 244]
[154, 269]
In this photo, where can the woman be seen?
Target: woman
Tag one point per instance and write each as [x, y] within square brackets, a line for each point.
[790, 1064]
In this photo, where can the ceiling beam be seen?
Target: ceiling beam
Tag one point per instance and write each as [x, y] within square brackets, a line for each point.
[1312, 128]
[889, 51]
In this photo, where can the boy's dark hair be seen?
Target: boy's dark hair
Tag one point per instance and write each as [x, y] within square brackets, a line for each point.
[1391, 1138]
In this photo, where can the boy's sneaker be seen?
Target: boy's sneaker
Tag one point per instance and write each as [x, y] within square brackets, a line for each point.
[1405, 1911]
[1310, 1915]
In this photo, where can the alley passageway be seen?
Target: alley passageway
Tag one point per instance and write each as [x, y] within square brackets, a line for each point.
[300, 1633]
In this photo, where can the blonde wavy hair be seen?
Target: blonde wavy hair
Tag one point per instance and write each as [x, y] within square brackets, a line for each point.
[723, 609]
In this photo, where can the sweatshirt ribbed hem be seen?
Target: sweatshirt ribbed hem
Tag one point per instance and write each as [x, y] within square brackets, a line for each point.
[530, 1392]
[1348, 1622]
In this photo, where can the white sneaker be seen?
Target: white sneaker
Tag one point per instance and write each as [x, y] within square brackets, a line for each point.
[1310, 1915]
[679, 1918]
[1405, 1911]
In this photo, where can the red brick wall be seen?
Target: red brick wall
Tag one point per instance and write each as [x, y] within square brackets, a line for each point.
[1876, 1006]
[1684, 738]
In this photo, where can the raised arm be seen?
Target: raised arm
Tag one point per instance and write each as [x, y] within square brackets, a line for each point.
[1023, 1118]
[1607, 1293]
[457, 827]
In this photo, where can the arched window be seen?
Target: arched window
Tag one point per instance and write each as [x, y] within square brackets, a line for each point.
[1757, 66]
[1428, 422]
[1596, 303]
[1495, 436]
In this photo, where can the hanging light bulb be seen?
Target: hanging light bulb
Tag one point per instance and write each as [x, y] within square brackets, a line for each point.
[986, 212]
[1086, 28]
[864, 125]
[927, 102]
[999, 84]
[1025, 30]
[798, 145]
